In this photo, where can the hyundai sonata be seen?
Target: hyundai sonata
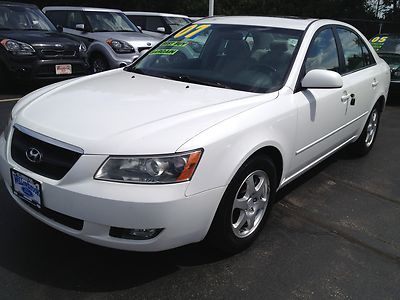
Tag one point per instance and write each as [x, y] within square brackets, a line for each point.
[193, 140]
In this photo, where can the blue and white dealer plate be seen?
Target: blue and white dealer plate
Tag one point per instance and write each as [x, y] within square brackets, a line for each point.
[26, 188]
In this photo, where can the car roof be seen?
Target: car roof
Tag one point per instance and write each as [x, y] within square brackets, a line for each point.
[80, 8]
[7, 3]
[279, 22]
[148, 13]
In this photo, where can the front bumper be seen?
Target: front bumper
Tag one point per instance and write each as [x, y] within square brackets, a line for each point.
[102, 205]
[117, 60]
[33, 68]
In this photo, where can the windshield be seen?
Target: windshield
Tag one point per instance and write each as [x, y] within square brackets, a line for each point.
[247, 58]
[23, 18]
[176, 22]
[386, 44]
[110, 22]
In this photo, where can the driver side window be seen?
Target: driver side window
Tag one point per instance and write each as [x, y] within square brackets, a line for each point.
[323, 53]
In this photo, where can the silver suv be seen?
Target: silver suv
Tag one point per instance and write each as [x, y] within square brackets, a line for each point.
[115, 40]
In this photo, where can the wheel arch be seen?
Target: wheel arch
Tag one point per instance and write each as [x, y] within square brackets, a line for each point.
[275, 154]
[381, 102]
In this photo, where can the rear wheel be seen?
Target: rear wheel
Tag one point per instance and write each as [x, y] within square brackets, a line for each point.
[99, 63]
[367, 138]
[244, 206]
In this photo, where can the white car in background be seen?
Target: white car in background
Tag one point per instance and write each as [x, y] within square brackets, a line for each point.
[114, 40]
[159, 25]
[184, 145]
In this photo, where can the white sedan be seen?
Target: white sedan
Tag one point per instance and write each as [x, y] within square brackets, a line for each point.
[193, 143]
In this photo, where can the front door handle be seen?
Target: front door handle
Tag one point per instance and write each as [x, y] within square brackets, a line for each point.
[375, 83]
[346, 98]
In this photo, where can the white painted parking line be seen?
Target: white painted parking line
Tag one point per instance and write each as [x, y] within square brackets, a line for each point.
[9, 100]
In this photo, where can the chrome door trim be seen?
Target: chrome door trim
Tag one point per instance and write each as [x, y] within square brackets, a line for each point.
[315, 162]
[330, 134]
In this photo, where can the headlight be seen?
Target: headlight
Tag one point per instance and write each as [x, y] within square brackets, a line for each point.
[17, 48]
[7, 129]
[150, 169]
[120, 46]
[82, 48]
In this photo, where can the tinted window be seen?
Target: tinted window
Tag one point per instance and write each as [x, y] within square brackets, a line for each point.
[323, 53]
[176, 22]
[56, 17]
[152, 23]
[352, 48]
[368, 58]
[219, 55]
[138, 21]
[74, 18]
[386, 44]
[24, 18]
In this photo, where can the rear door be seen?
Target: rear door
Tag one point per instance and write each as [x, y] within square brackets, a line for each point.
[360, 81]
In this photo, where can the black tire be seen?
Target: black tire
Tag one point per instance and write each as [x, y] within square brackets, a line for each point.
[221, 234]
[365, 141]
[98, 63]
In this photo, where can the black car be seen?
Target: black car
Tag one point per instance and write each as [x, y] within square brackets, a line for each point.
[388, 48]
[32, 48]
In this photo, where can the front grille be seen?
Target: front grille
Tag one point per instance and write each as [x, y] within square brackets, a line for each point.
[140, 49]
[52, 53]
[55, 161]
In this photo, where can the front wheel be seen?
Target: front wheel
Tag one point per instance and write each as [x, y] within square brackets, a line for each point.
[99, 63]
[367, 138]
[244, 206]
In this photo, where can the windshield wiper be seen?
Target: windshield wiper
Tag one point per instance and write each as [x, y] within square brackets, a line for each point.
[137, 71]
[190, 79]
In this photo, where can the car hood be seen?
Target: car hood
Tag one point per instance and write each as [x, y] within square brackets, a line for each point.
[38, 38]
[137, 39]
[113, 113]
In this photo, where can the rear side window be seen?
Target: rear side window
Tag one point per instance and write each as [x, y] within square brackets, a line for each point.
[323, 53]
[57, 17]
[354, 56]
[152, 23]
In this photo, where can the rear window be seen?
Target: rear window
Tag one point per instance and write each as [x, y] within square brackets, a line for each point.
[386, 44]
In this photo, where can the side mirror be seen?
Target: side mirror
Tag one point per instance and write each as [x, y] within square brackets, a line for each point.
[322, 79]
[161, 29]
[139, 27]
[59, 28]
[80, 27]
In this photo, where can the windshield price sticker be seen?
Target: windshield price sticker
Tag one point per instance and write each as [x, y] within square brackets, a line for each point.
[377, 42]
[175, 44]
[191, 31]
[163, 52]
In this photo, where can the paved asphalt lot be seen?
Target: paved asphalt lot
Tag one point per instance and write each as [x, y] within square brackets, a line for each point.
[333, 233]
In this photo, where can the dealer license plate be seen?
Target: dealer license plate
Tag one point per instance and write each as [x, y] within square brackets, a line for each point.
[63, 69]
[26, 188]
